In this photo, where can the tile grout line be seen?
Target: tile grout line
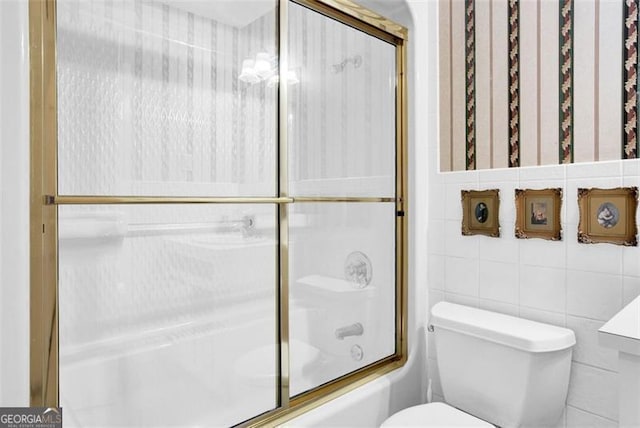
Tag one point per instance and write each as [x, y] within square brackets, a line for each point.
[593, 366]
[591, 413]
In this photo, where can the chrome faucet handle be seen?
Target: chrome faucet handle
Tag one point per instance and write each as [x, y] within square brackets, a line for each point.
[357, 269]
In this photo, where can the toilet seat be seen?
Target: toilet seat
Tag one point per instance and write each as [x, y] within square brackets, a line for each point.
[433, 415]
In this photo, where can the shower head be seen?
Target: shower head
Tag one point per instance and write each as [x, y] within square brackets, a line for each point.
[355, 60]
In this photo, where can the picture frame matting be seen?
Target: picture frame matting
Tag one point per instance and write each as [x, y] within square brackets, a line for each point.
[608, 216]
[538, 213]
[480, 212]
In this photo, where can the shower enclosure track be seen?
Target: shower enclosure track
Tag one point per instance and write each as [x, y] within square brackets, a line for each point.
[88, 200]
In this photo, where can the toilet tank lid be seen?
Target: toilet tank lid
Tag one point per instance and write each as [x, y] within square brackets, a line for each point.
[507, 330]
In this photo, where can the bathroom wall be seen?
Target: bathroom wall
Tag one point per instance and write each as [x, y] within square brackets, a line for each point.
[565, 283]
[575, 285]
[14, 204]
[554, 94]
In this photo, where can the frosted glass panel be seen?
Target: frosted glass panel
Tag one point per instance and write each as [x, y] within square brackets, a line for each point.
[167, 314]
[153, 98]
[341, 109]
[342, 281]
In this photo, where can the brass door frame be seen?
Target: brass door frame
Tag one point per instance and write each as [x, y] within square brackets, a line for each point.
[44, 200]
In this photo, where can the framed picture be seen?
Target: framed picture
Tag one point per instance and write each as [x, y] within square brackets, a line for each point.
[480, 212]
[608, 215]
[538, 214]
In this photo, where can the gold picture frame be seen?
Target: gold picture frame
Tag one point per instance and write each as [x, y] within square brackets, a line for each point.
[538, 213]
[480, 212]
[608, 216]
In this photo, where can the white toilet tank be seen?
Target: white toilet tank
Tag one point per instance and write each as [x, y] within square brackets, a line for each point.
[506, 370]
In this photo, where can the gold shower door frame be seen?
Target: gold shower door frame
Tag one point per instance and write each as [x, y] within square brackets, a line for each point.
[44, 202]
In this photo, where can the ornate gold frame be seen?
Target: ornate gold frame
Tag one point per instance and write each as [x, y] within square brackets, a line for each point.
[471, 199]
[525, 227]
[44, 381]
[593, 229]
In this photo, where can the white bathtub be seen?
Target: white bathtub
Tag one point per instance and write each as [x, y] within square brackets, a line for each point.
[173, 382]
[371, 404]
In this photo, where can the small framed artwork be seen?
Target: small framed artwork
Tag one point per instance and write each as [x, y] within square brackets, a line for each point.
[538, 214]
[608, 215]
[480, 212]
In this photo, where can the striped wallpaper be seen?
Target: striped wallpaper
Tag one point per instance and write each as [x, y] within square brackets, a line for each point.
[555, 86]
[171, 116]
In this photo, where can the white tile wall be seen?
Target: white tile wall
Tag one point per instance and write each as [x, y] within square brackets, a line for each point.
[604, 258]
[577, 418]
[631, 289]
[630, 168]
[500, 250]
[631, 262]
[461, 299]
[593, 295]
[598, 169]
[549, 172]
[543, 288]
[500, 307]
[553, 318]
[496, 281]
[457, 245]
[562, 283]
[594, 390]
[452, 198]
[587, 349]
[498, 175]
[437, 211]
[436, 272]
[539, 252]
[461, 276]
[436, 237]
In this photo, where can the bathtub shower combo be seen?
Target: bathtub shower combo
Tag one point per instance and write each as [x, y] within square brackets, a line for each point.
[225, 185]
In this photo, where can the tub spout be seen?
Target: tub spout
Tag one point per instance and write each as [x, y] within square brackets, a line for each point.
[349, 330]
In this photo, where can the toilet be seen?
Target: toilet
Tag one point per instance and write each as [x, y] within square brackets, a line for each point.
[495, 369]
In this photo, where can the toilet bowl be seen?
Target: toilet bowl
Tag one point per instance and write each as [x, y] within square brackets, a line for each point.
[433, 415]
[494, 369]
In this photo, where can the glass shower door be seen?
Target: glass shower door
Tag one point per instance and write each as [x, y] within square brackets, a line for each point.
[167, 306]
[342, 165]
[214, 240]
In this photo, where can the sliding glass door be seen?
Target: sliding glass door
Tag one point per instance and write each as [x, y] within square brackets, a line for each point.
[218, 211]
[342, 169]
[166, 306]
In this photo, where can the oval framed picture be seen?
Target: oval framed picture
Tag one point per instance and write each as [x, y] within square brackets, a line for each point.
[480, 212]
[608, 216]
